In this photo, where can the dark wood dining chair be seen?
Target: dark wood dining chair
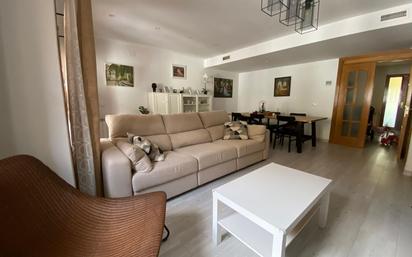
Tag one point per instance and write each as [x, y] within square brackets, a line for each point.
[288, 130]
[236, 116]
[43, 216]
[256, 118]
[272, 127]
[298, 114]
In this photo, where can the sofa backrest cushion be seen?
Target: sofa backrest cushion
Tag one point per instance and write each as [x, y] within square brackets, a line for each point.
[182, 122]
[149, 126]
[185, 129]
[211, 119]
[213, 122]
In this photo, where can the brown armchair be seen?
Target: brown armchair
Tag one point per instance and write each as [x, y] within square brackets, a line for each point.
[41, 215]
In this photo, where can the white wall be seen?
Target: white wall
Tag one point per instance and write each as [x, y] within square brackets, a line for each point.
[31, 89]
[226, 104]
[151, 65]
[309, 94]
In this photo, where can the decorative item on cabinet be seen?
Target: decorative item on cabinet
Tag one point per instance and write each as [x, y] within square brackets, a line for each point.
[262, 107]
[154, 86]
[143, 110]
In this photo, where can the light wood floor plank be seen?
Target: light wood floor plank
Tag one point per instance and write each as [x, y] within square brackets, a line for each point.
[370, 209]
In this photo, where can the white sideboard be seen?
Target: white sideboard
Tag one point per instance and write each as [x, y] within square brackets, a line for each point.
[168, 103]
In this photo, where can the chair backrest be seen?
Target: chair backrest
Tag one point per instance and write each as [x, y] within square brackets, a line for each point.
[236, 116]
[288, 119]
[257, 115]
[297, 114]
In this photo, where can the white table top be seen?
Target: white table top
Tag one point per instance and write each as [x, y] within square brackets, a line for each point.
[274, 196]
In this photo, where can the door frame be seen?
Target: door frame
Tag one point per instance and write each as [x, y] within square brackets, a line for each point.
[404, 54]
[404, 90]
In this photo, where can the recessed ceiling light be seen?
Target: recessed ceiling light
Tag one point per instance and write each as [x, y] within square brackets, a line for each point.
[111, 15]
[157, 28]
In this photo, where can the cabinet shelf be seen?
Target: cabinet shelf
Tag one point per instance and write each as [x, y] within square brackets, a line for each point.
[168, 103]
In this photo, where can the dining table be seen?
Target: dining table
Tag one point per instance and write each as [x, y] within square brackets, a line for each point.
[301, 121]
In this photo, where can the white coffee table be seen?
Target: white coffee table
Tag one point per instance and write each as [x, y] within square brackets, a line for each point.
[272, 205]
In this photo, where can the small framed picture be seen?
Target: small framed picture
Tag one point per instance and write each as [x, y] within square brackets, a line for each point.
[179, 71]
[223, 88]
[282, 86]
[119, 75]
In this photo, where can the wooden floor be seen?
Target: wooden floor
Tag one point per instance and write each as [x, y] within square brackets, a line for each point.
[370, 209]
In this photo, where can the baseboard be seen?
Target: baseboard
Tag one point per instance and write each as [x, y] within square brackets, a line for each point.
[407, 173]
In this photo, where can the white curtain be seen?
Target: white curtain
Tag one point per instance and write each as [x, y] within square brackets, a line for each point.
[82, 144]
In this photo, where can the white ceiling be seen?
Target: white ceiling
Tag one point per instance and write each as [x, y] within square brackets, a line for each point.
[396, 37]
[207, 28]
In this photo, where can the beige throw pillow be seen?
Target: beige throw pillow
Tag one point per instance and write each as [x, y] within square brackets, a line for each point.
[152, 150]
[140, 161]
[236, 130]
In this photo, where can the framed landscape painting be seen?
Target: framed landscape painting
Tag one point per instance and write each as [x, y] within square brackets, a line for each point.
[223, 88]
[119, 75]
[282, 86]
[179, 71]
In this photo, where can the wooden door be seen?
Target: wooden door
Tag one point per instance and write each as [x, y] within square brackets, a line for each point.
[352, 107]
[406, 123]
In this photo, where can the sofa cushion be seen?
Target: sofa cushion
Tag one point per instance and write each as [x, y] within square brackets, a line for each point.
[143, 125]
[175, 166]
[216, 132]
[210, 119]
[151, 149]
[257, 132]
[182, 122]
[149, 126]
[140, 161]
[236, 130]
[193, 137]
[243, 147]
[210, 154]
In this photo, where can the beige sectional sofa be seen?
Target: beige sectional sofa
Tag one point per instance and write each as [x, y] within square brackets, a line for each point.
[195, 152]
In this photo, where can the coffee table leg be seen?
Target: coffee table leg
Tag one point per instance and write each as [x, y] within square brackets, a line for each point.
[217, 237]
[323, 210]
[279, 244]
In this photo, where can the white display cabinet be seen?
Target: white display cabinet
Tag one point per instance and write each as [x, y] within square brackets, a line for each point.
[169, 103]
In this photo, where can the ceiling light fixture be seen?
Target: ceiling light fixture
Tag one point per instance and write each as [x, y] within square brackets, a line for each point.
[289, 13]
[272, 7]
[309, 11]
[304, 14]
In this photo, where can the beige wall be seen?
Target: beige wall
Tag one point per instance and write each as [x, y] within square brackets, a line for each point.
[31, 97]
[379, 87]
[6, 133]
